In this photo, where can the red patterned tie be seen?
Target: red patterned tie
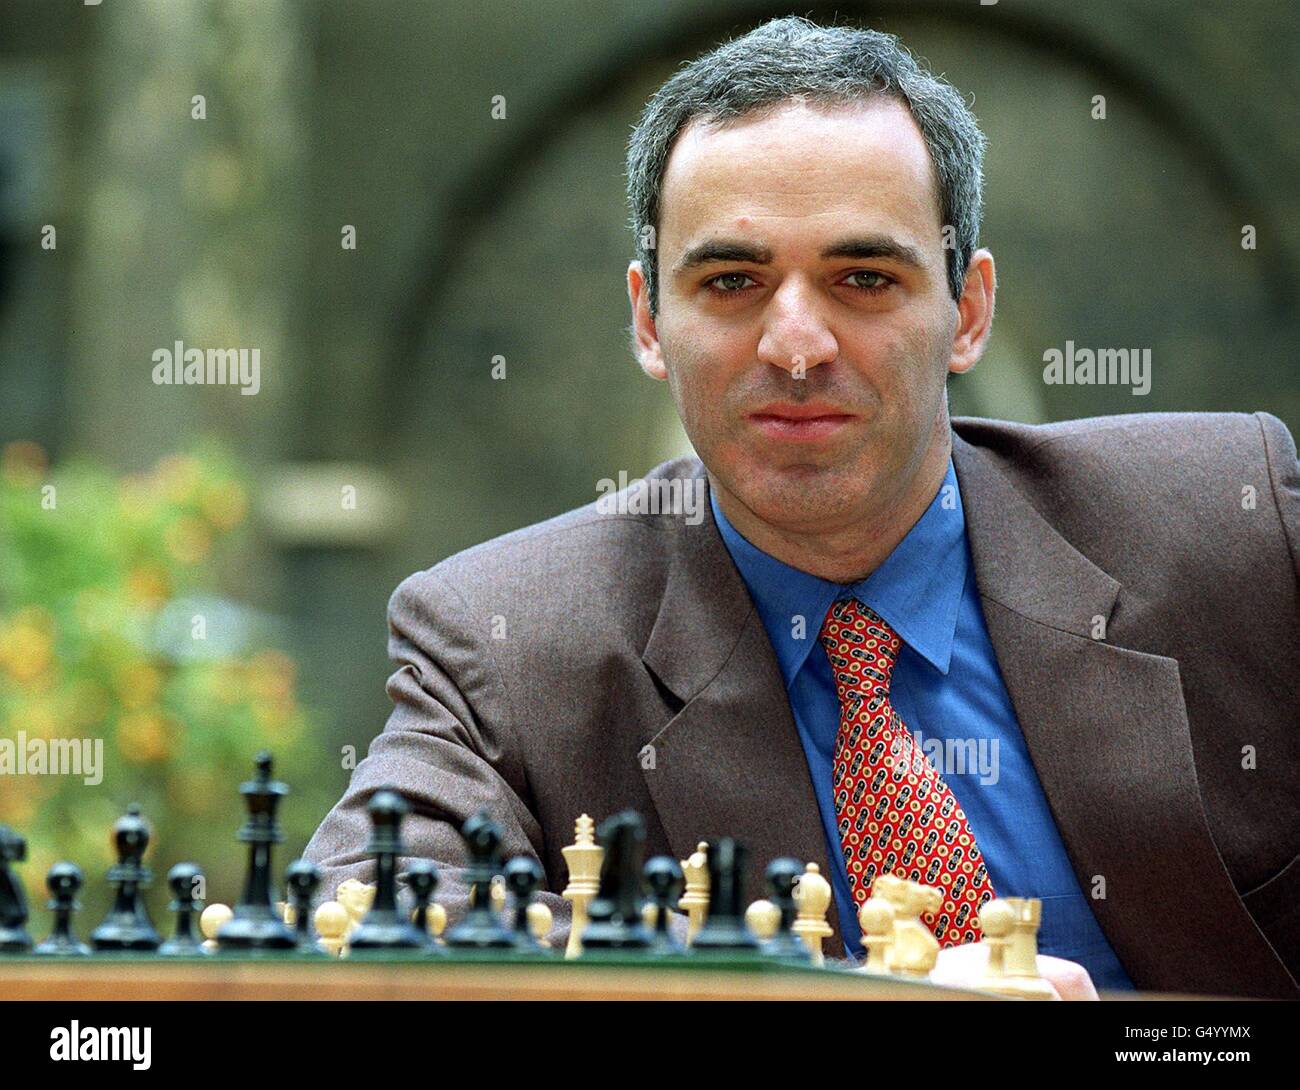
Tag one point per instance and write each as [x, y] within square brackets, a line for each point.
[895, 813]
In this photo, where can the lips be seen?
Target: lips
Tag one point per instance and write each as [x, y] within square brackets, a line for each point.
[807, 421]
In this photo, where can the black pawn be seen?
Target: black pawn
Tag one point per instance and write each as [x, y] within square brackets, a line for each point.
[782, 877]
[127, 926]
[664, 880]
[481, 929]
[523, 877]
[422, 878]
[64, 883]
[255, 926]
[14, 938]
[301, 881]
[184, 879]
[384, 926]
[725, 928]
[615, 911]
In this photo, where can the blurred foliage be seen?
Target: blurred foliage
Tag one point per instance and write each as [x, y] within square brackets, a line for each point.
[103, 635]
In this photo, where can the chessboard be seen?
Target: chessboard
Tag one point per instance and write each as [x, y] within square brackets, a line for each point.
[391, 939]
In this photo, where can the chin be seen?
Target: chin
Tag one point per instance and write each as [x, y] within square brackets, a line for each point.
[802, 497]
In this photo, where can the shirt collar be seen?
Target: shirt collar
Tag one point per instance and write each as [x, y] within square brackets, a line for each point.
[917, 589]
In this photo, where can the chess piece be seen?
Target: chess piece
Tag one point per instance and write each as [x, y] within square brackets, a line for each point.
[915, 949]
[876, 918]
[615, 911]
[763, 918]
[14, 938]
[64, 883]
[183, 880]
[783, 875]
[301, 881]
[1009, 926]
[255, 928]
[540, 922]
[583, 858]
[435, 923]
[422, 880]
[211, 920]
[481, 928]
[127, 926]
[695, 901]
[385, 928]
[725, 929]
[523, 876]
[356, 897]
[664, 880]
[812, 898]
[332, 922]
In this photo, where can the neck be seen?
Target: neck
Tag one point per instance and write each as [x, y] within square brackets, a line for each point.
[850, 553]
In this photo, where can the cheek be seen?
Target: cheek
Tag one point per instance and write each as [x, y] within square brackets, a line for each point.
[701, 370]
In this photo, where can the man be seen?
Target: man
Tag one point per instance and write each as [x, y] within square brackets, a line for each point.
[1054, 661]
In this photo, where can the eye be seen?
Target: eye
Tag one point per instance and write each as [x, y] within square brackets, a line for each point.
[881, 281]
[714, 283]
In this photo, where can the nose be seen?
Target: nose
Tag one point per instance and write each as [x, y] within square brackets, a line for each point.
[795, 335]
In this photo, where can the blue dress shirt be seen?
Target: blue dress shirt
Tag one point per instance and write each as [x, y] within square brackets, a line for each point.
[946, 686]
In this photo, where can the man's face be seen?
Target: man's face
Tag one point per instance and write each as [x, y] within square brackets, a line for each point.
[805, 324]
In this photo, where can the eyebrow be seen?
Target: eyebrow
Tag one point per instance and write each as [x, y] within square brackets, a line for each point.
[860, 248]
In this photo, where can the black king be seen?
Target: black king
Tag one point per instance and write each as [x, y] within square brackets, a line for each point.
[255, 927]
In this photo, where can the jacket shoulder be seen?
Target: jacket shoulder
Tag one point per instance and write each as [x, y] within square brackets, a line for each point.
[610, 556]
[1194, 459]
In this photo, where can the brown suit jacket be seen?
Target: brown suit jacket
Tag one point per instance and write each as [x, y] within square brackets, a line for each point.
[534, 669]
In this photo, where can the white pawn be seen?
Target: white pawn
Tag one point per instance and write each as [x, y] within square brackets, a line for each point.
[332, 923]
[764, 919]
[876, 918]
[540, 920]
[212, 920]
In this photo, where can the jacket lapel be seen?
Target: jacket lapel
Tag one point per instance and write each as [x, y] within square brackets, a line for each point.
[730, 762]
[1107, 730]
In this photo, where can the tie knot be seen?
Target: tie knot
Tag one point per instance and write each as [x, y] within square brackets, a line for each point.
[861, 646]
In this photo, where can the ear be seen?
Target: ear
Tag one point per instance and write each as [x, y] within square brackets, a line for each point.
[974, 313]
[645, 337]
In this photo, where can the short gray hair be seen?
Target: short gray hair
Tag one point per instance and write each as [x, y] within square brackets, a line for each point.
[794, 57]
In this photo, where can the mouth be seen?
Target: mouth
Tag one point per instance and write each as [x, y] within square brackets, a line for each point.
[808, 422]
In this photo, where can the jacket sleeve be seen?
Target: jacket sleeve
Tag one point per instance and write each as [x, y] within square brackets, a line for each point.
[447, 747]
[1284, 476]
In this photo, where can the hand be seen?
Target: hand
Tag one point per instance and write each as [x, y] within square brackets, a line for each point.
[962, 966]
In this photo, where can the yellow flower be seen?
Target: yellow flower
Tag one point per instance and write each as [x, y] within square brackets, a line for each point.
[224, 504]
[277, 717]
[179, 476]
[148, 584]
[16, 802]
[271, 675]
[145, 736]
[136, 495]
[27, 645]
[36, 718]
[226, 682]
[137, 684]
[188, 540]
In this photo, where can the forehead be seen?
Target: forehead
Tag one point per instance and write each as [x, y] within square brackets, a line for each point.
[804, 166]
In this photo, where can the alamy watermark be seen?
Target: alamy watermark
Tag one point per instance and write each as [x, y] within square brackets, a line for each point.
[1103, 367]
[23, 756]
[181, 366]
[661, 496]
[953, 756]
